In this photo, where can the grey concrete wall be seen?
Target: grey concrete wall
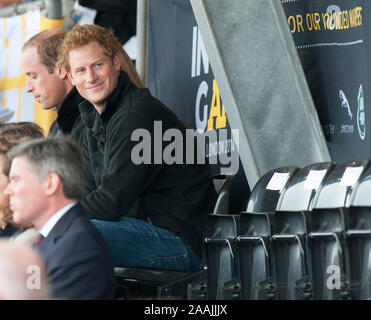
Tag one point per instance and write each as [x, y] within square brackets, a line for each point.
[262, 84]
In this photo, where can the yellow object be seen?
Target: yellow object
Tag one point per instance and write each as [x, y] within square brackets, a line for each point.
[14, 31]
[44, 118]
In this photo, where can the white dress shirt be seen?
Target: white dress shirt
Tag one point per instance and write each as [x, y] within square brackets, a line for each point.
[52, 221]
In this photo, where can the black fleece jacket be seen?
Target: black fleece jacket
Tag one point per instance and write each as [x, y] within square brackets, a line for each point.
[68, 118]
[176, 197]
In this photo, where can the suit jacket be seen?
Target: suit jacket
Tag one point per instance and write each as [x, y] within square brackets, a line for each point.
[77, 259]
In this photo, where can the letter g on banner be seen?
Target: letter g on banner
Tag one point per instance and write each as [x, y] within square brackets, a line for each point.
[201, 122]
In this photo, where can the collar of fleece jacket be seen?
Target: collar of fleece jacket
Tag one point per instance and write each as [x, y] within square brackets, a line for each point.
[89, 114]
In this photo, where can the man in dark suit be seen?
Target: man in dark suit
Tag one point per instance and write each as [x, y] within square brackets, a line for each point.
[45, 185]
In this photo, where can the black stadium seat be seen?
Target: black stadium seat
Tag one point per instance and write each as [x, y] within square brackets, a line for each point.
[218, 252]
[221, 267]
[306, 234]
[289, 239]
[255, 257]
[289, 249]
[301, 189]
[358, 239]
[253, 243]
[328, 223]
[268, 189]
[223, 185]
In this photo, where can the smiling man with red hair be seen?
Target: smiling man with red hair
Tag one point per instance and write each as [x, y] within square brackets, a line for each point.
[151, 215]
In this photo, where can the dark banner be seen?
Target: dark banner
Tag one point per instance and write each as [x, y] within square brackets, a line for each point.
[333, 42]
[180, 75]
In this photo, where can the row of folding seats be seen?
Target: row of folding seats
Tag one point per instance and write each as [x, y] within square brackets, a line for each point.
[305, 234]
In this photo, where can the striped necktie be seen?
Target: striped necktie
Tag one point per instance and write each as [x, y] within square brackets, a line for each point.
[38, 240]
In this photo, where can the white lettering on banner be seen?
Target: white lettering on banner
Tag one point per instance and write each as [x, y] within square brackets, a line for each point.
[199, 54]
[201, 123]
[200, 57]
[361, 118]
[347, 128]
[194, 52]
[210, 115]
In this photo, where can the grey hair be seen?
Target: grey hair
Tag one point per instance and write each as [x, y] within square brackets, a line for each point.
[60, 155]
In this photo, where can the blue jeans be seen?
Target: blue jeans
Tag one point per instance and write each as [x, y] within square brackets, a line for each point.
[137, 243]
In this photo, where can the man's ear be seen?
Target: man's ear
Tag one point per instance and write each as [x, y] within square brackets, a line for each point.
[51, 184]
[64, 74]
[61, 72]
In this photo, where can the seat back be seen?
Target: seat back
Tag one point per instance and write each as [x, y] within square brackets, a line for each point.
[217, 253]
[358, 239]
[301, 189]
[221, 230]
[329, 254]
[267, 191]
[289, 248]
[337, 188]
[255, 257]
[223, 185]
[289, 239]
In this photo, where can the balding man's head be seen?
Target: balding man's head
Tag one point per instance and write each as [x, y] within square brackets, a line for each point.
[47, 45]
